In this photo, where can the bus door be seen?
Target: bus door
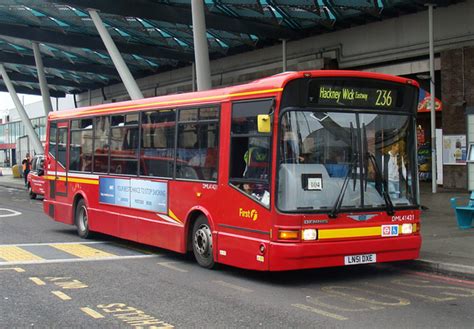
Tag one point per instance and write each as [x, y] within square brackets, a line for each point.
[59, 151]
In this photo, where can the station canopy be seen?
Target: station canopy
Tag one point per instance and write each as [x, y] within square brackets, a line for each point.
[156, 36]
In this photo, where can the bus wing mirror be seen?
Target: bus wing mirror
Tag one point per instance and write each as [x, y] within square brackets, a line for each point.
[264, 123]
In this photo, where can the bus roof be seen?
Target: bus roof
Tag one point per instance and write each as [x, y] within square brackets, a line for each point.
[265, 86]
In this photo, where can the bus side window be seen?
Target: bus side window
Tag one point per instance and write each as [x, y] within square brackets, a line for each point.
[80, 148]
[157, 145]
[124, 144]
[198, 141]
[250, 150]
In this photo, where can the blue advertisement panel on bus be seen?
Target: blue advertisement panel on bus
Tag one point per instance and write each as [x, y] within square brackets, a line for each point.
[134, 193]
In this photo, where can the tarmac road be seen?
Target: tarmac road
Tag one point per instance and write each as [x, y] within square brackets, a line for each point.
[50, 278]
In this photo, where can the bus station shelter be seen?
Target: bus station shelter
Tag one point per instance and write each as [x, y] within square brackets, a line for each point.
[109, 51]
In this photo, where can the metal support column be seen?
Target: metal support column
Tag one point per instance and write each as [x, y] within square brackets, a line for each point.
[37, 146]
[125, 74]
[283, 46]
[48, 106]
[432, 101]
[193, 76]
[201, 51]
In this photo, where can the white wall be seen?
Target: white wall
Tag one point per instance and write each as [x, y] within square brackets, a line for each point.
[36, 110]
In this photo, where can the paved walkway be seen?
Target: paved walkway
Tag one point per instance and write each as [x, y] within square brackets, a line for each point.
[445, 247]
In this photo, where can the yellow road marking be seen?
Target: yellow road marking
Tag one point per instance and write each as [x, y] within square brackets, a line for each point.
[92, 313]
[38, 281]
[16, 269]
[61, 295]
[233, 286]
[320, 312]
[168, 265]
[411, 293]
[82, 251]
[15, 254]
[356, 294]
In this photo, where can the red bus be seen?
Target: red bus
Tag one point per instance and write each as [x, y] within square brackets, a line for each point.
[297, 170]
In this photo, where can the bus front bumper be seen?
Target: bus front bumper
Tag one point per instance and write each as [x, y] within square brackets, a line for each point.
[305, 255]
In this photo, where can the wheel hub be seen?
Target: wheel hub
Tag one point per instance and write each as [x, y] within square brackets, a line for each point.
[83, 219]
[202, 240]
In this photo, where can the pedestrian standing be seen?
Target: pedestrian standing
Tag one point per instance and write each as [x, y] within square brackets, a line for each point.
[26, 165]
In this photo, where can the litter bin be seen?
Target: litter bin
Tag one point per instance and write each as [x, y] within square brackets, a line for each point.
[16, 171]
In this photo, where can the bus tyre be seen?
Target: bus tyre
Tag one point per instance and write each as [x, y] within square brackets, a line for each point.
[82, 220]
[202, 243]
[30, 192]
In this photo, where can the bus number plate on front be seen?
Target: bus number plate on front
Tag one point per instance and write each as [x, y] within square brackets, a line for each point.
[360, 259]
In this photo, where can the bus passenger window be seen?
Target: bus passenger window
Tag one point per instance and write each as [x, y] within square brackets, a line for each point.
[101, 144]
[124, 144]
[197, 147]
[157, 146]
[80, 148]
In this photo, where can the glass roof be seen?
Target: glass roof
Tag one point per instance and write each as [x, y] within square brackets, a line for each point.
[157, 36]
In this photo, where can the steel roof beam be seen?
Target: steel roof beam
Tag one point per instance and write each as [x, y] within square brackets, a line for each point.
[181, 15]
[28, 91]
[54, 81]
[76, 40]
[37, 145]
[57, 64]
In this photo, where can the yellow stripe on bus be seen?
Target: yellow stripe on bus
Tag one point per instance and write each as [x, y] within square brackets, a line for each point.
[74, 180]
[178, 101]
[83, 180]
[16, 254]
[349, 232]
[172, 215]
[82, 251]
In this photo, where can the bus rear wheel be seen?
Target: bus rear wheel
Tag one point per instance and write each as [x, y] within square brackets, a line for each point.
[82, 220]
[202, 243]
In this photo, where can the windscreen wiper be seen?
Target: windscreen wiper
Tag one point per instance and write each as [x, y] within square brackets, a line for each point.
[337, 205]
[350, 172]
[385, 194]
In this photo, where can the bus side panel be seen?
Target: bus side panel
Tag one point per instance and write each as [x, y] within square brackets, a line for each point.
[102, 218]
[63, 210]
[242, 251]
[244, 226]
[160, 234]
[242, 223]
[183, 196]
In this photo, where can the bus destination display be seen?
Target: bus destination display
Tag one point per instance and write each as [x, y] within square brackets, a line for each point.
[334, 95]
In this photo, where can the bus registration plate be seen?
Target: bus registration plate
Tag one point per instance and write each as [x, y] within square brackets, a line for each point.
[360, 259]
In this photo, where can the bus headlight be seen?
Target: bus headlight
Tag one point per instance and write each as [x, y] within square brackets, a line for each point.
[407, 228]
[309, 234]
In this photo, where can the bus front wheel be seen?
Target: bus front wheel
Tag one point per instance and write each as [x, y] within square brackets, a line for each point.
[202, 243]
[82, 220]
